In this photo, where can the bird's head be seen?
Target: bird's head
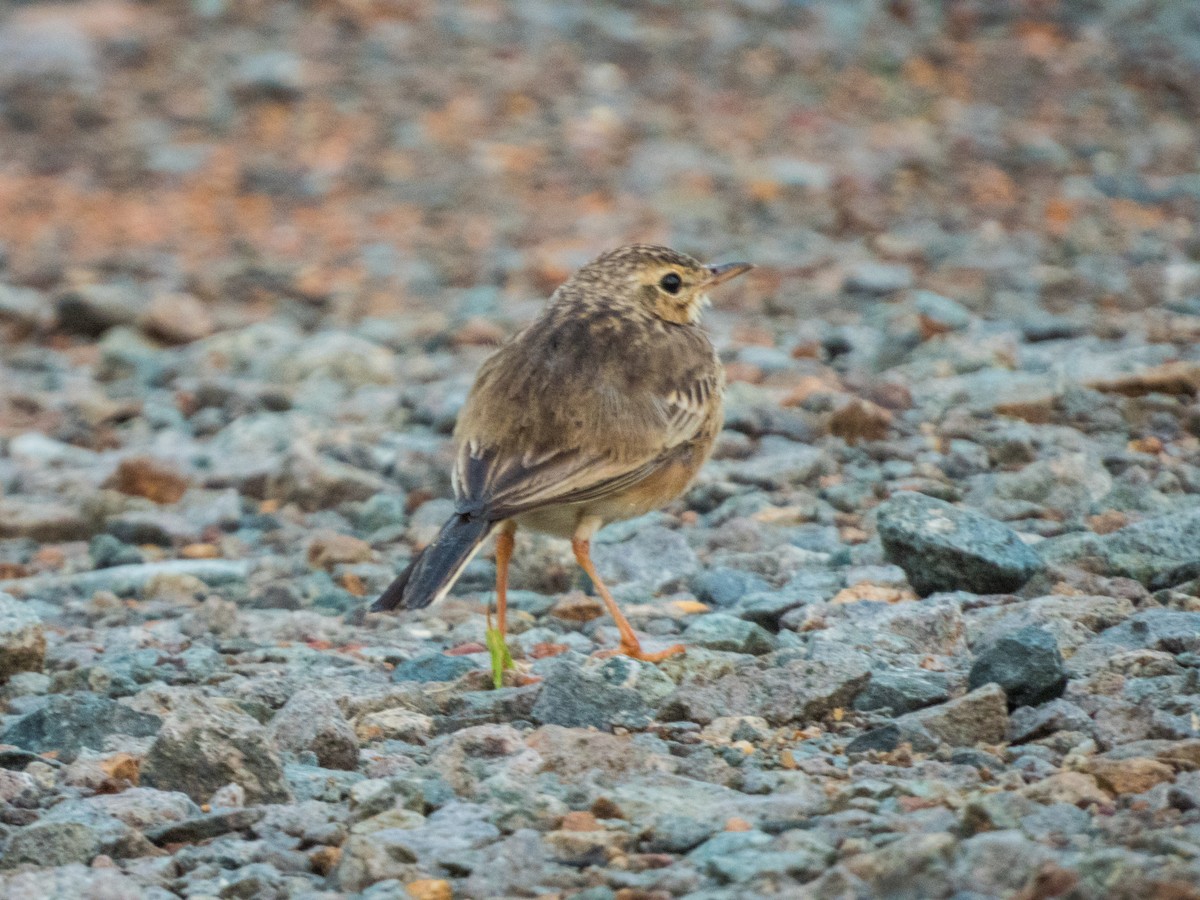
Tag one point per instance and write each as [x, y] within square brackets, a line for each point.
[670, 285]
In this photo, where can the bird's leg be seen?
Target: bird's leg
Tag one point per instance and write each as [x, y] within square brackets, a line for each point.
[504, 551]
[497, 646]
[630, 646]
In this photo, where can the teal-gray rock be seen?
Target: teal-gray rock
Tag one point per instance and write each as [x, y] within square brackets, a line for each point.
[980, 717]
[206, 744]
[943, 547]
[107, 551]
[598, 693]
[69, 722]
[312, 721]
[1159, 552]
[802, 690]
[73, 832]
[436, 667]
[903, 690]
[723, 586]
[1027, 664]
[22, 638]
[720, 631]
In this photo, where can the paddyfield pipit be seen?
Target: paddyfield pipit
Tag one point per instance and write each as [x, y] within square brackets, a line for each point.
[602, 409]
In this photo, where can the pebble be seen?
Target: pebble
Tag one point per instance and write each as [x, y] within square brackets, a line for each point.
[93, 309]
[208, 743]
[66, 723]
[719, 631]
[177, 318]
[311, 721]
[1026, 664]
[22, 638]
[903, 691]
[980, 717]
[942, 547]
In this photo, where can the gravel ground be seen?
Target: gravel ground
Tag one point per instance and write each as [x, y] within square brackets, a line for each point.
[940, 585]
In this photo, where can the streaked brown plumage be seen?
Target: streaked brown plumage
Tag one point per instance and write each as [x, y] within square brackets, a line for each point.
[604, 408]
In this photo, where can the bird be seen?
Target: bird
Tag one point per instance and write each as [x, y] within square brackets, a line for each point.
[602, 409]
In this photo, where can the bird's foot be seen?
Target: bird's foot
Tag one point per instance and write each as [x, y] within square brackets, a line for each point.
[636, 651]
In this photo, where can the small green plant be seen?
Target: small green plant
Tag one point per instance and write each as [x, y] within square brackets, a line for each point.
[501, 658]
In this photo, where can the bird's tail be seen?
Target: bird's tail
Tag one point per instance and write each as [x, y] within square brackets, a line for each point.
[428, 577]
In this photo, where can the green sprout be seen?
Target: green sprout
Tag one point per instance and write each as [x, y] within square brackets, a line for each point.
[501, 658]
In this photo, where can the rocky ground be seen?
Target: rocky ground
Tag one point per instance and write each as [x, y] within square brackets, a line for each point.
[940, 585]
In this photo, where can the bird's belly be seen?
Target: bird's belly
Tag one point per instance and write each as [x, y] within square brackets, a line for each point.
[560, 521]
[654, 491]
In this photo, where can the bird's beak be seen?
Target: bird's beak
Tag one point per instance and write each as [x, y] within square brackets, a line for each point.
[722, 273]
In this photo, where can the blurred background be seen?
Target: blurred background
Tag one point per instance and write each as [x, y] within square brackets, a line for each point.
[252, 254]
[350, 158]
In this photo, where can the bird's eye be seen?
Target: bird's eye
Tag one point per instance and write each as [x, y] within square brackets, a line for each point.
[671, 283]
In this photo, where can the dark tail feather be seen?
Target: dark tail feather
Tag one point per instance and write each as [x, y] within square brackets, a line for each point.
[437, 567]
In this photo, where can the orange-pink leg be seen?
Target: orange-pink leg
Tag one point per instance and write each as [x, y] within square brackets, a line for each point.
[504, 551]
[630, 646]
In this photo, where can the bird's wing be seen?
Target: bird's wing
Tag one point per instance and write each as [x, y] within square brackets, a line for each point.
[518, 451]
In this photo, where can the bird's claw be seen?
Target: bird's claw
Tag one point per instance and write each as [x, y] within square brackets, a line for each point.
[636, 652]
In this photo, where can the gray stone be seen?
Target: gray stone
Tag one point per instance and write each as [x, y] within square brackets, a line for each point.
[1027, 664]
[941, 310]
[718, 631]
[903, 690]
[1068, 481]
[482, 707]
[69, 722]
[945, 548]
[77, 880]
[436, 667]
[205, 826]
[654, 559]
[723, 586]
[999, 863]
[980, 717]
[18, 787]
[24, 306]
[390, 852]
[768, 608]
[107, 551]
[22, 640]
[1157, 43]
[315, 783]
[205, 744]
[800, 857]
[312, 721]
[276, 75]
[44, 519]
[317, 482]
[802, 690]
[519, 864]
[144, 808]
[678, 834]
[598, 693]
[339, 357]
[92, 309]
[1170, 631]
[914, 867]
[877, 278]
[1029, 723]
[934, 625]
[1158, 552]
[125, 581]
[645, 799]
[781, 463]
[887, 738]
[73, 832]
